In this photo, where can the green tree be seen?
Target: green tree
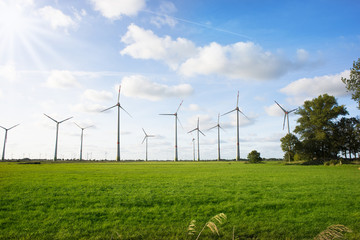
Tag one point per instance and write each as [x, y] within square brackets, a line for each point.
[316, 126]
[353, 83]
[347, 136]
[254, 157]
[290, 145]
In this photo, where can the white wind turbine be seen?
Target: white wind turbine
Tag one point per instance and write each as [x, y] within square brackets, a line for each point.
[57, 132]
[193, 143]
[146, 147]
[5, 138]
[82, 136]
[197, 129]
[237, 126]
[286, 116]
[176, 120]
[218, 128]
[118, 123]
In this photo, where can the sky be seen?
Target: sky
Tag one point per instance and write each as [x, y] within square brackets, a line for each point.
[67, 59]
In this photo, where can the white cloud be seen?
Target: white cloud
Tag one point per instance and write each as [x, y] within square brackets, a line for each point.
[61, 79]
[114, 9]
[194, 107]
[95, 95]
[56, 18]
[8, 72]
[87, 107]
[144, 44]
[140, 87]
[241, 60]
[308, 88]
[274, 110]
[163, 17]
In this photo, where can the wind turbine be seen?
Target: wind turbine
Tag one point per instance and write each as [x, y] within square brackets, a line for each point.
[237, 126]
[82, 136]
[118, 123]
[176, 120]
[286, 116]
[218, 127]
[6, 130]
[198, 142]
[146, 138]
[57, 132]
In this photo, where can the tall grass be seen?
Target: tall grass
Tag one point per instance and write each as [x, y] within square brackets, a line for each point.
[158, 200]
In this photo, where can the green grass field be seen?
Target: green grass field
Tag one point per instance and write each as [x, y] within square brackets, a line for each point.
[157, 200]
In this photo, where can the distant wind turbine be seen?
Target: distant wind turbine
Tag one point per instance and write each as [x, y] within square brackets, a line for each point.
[176, 120]
[286, 116]
[146, 139]
[6, 130]
[57, 132]
[218, 128]
[197, 129]
[118, 123]
[82, 136]
[237, 126]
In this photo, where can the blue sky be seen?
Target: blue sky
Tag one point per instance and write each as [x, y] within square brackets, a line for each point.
[67, 58]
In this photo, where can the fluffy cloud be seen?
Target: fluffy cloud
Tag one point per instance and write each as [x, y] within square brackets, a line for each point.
[94, 95]
[114, 9]
[56, 18]
[140, 87]
[144, 44]
[241, 60]
[308, 88]
[86, 107]
[62, 79]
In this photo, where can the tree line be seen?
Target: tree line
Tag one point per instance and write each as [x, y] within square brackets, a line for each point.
[323, 132]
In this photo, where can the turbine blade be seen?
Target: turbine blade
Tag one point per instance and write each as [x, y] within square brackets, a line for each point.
[65, 119]
[119, 93]
[229, 112]
[3, 128]
[50, 118]
[14, 126]
[180, 123]
[212, 127]
[179, 106]
[243, 114]
[218, 118]
[198, 123]
[108, 108]
[192, 130]
[89, 126]
[284, 121]
[144, 132]
[143, 140]
[151, 136]
[280, 106]
[167, 114]
[222, 128]
[126, 111]
[78, 125]
[292, 110]
[201, 132]
[237, 101]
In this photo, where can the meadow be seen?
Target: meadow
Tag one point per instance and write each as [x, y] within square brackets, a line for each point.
[157, 200]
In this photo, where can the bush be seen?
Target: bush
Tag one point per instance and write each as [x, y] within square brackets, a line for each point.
[254, 157]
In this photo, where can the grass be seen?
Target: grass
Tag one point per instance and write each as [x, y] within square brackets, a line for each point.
[157, 200]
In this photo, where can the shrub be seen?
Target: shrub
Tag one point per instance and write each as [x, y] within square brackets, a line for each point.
[254, 157]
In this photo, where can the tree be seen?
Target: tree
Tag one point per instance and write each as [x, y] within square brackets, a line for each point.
[353, 83]
[290, 145]
[254, 157]
[347, 136]
[316, 126]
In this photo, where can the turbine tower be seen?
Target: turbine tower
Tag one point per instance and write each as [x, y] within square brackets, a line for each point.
[57, 132]
[6, 130]
[82, 136]
[193, 142]
[118, 123]
[286, 116]
[176, 120]
[237, 126]
[146, 139]
[218, 128]
[197, 129]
